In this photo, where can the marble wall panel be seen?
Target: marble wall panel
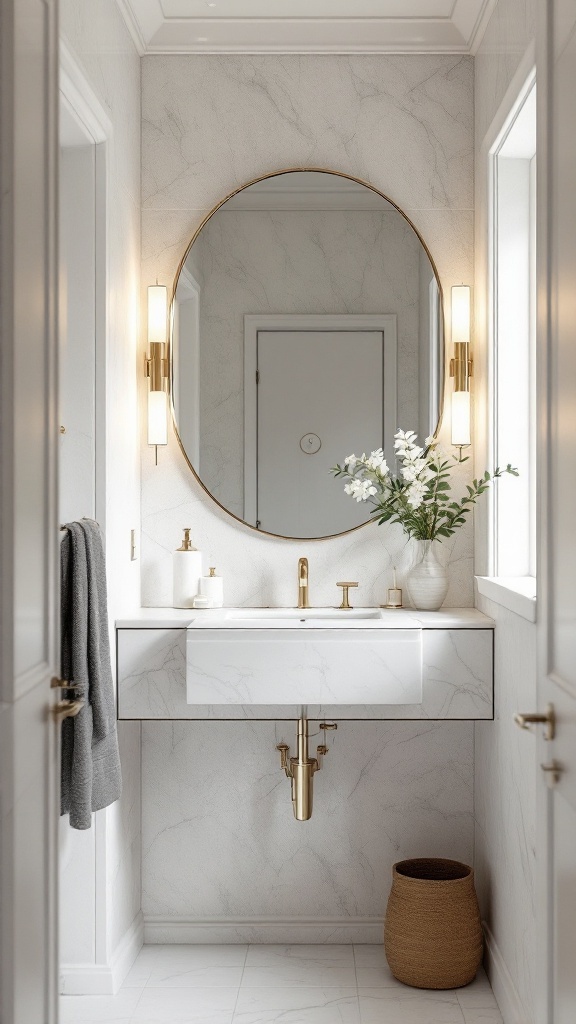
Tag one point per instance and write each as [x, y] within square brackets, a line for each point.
[220, 840]
[211, 123]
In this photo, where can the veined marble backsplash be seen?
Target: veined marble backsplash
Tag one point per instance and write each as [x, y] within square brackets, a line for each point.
[220, 841]
[211, 123]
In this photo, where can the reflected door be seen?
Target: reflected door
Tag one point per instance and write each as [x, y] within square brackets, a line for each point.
[320, 397]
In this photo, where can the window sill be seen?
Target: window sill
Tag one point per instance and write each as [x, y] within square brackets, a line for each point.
[517, 593]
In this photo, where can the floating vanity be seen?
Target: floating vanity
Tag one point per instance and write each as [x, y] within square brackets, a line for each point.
[268, 663]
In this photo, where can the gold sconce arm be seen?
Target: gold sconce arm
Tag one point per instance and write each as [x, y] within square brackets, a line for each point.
[156, 365]
[461, 367]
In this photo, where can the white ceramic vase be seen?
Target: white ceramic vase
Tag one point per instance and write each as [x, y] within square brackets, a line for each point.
[427, 580]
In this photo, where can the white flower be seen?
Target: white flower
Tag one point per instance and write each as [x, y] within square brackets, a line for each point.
[412, 454]
[404, 437]
[360, 489]
[377, 462]
[430, 442]
[350, 463]
[415, 494]
[409, 472]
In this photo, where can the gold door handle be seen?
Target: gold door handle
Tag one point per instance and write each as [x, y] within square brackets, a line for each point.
[345, 588]
[63, 684]
[553, 772]
[525, 721]
[66, 709]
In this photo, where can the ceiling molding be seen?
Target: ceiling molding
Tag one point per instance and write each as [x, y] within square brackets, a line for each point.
[133, 25]
[482, 25]
[450, 26]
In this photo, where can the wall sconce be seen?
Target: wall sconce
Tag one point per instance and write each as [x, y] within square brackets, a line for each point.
[461, 366]
[156, 365]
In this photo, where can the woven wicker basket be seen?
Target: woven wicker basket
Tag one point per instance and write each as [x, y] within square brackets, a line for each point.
[432, 934]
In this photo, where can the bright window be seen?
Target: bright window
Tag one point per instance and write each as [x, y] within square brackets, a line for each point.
[513, 349]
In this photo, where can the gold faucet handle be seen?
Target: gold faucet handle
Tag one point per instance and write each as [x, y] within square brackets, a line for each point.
[345, 588]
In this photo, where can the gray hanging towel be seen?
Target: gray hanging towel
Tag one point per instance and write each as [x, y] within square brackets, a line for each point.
[91, 776]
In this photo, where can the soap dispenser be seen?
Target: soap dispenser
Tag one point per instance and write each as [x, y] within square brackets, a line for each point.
[212, 587]
[187, 570]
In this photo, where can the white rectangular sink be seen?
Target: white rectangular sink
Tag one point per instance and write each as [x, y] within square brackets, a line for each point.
[269, 656]
[301, 618]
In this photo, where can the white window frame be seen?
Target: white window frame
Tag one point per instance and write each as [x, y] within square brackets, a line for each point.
[518, 592]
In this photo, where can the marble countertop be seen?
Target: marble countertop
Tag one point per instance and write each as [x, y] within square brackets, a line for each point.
[407, 618]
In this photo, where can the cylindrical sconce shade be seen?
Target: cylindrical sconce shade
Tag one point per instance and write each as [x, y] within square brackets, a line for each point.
[157, 418]
[460, 314]
[157, 313]
[460, 418]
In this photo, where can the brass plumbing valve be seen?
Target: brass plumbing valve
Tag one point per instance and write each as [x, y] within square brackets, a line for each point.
[302, 768]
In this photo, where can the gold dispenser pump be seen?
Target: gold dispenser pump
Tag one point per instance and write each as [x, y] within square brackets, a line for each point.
[302, 768]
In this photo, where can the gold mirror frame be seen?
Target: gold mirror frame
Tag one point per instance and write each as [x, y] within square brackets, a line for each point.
[254, 181]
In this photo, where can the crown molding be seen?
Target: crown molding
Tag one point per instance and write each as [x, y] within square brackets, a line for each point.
[460, 32]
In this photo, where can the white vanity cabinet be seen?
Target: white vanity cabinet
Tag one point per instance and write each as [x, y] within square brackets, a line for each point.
[166, 658]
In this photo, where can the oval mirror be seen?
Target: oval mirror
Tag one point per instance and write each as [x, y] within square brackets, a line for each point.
[307, 325]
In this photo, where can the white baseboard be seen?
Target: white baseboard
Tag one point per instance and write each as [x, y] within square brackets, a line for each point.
[505, 991]
[263, 929]
[104, 979]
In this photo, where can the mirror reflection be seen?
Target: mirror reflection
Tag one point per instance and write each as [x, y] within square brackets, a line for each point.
[307, 325]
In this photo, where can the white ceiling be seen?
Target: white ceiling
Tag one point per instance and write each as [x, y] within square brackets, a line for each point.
[306, 26]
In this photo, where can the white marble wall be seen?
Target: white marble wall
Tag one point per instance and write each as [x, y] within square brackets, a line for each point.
[220, 841]
[348, 262]
[505, 805]
[211, 123]
[99, 40]
[218, 834]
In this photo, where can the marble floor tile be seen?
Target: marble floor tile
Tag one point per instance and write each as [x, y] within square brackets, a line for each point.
[270, 955]
[342, 1013]
[477, 995]
[482, 1015]
[256, 1000]
[99, 1009]
[305, 973]
[409, 1006]
[185, 975]
[186, 1005]
[276, 984]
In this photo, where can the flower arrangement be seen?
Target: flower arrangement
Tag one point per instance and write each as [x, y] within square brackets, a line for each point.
[418, 496]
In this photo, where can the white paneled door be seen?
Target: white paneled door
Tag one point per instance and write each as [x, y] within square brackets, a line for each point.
[557, 474]
[29, 542]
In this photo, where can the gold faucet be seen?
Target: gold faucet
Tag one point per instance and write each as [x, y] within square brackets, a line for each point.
[303, 583]
[302, 768]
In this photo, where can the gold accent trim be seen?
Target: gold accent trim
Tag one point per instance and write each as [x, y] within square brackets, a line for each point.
[461, 366]
[254, 181]
[156, 367]
[303, 583]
